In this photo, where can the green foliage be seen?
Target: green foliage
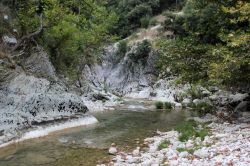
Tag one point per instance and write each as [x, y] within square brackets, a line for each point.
[189, 129]
[181, 96]
[185, 150]
[232, 67]
[153, 22]
[145, 21]
[189, 150]
[164, 145]
[159, 105]
[122, 49]
[205, 63]
[73, 30]
[168, 105]
[135, 14]
[203, 108]
[163, 105]
[185, 58]
[195, 92]
[141, 51]
[213, 37]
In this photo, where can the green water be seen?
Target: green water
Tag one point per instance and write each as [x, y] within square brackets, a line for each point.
[87, 146]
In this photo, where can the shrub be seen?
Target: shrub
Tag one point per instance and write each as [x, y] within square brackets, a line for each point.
[168, 105]
[203, 108]
[139, 11]
[188, 129]
[180, 96]
[217, 51]
[159, 105]
[145, 21]
[195, 92]
[153, 22]
[164, 145]
[189, 63]
[141, 51]
[122, 49]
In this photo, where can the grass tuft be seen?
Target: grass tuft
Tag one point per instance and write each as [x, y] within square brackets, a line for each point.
[168, 105]
[164, 145]
[159, 105]
[189, 129]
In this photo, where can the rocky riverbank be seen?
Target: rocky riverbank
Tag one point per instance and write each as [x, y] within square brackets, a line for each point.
[227, 144]
[34, 96]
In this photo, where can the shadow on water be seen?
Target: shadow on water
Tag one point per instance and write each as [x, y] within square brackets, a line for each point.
[88, 145]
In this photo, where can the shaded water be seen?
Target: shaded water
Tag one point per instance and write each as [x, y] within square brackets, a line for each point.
[88, 145]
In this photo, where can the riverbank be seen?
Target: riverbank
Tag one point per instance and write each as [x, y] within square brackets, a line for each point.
[227, 144]
[88, 145]
[42, 131]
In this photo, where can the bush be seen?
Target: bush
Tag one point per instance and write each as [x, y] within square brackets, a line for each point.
[153, 22]
[213, 36]
[190, 63]
[203, 108]
[188, 129]
[139, 11]
[141, 51]
[179, 97]
[195, 92]
[159, 105]
[131, 13]
[122, 49]
[145, 21]
[168, 105]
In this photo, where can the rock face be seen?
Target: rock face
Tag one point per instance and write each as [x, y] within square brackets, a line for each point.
[130, 77]
[27, 101]
[123, 76]
[39, 64]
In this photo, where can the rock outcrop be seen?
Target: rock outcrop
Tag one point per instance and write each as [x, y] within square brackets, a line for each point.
[33, 95]
[124, 76]
[28, 101]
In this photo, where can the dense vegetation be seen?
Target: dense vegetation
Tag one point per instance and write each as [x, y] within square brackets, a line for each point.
[71, 31]
[212, 43]
[137, 13]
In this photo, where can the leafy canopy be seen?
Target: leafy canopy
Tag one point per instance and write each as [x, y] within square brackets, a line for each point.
[72, 30]
[212, 43]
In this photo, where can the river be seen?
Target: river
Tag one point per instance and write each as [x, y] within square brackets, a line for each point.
[88, 145]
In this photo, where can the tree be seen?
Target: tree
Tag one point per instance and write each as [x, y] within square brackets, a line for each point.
[131, 12]
[212, 43]
[72, 30]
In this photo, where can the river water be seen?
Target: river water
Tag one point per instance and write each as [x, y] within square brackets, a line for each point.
[87, 145]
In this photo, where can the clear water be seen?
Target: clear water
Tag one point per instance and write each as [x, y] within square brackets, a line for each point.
[88, 146]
